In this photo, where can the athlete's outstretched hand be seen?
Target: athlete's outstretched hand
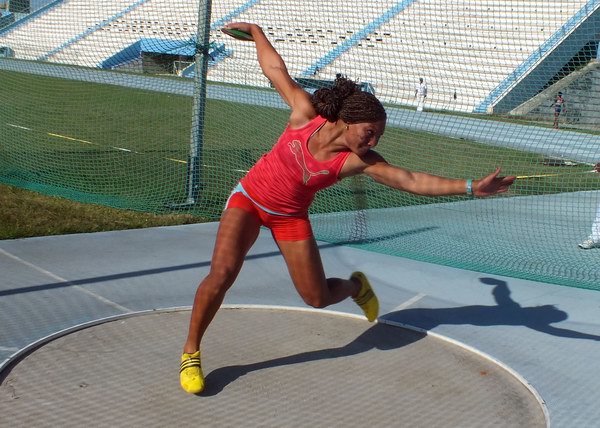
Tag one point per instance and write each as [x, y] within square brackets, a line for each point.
[492, 184]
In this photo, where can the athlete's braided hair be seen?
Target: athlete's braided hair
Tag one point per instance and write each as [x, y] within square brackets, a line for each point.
[346, 101]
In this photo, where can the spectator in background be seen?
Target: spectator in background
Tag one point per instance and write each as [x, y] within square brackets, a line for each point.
[559, 106]
[593, 241]
[420, 94]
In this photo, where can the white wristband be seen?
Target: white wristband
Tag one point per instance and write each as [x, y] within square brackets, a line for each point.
[470, 187]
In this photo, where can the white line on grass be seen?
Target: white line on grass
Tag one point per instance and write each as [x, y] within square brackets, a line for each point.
[176, 160]
[18, 126]
[72, 139]
[124, 150]
[206, 166]
[58, 278]
[65, 137]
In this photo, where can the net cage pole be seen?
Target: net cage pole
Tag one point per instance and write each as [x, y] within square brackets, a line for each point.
[194, 164]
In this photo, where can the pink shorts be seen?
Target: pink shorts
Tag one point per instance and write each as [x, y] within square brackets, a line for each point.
[283, 227]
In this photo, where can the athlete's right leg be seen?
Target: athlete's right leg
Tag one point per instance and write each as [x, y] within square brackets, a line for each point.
[238, 230]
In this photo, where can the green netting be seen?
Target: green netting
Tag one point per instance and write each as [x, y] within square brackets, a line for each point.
[105, 102]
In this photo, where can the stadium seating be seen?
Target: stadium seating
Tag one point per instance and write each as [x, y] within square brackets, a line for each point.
[464, 49]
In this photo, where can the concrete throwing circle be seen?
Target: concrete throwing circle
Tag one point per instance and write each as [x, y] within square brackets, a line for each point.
[264, 368]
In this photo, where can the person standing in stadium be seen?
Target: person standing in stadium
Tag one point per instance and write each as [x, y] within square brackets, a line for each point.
[559, 106]
[420, 94]
[330, 136]
[593, 240]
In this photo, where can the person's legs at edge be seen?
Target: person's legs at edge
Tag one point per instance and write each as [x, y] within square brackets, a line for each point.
[595, 236]
[238, 230]
[593, 241]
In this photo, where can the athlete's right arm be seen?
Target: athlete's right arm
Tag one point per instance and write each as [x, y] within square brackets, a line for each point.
[276, 71]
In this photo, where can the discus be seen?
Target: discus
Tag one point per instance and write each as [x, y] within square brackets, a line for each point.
[237, 34]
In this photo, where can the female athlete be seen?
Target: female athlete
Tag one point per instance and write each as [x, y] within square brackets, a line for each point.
[330, 136]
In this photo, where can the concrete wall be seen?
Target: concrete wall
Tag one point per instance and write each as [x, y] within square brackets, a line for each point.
[581, 92]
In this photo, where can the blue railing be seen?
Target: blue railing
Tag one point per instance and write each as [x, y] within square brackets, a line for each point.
[31, 16]
[330, 56]
[235, 12]
[6, 18]
[90, 30]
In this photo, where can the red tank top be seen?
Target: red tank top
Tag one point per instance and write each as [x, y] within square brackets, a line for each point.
[286, 179]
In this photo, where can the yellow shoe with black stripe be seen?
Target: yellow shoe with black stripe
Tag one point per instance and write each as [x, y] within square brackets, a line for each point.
[366, 298]
[190, 373]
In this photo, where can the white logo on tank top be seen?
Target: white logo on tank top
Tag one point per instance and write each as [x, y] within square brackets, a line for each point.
[296, 148]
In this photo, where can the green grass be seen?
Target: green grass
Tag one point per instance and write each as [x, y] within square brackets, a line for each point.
[24, 213]
[126, 148]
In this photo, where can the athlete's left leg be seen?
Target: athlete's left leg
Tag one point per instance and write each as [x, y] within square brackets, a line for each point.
[306, 269]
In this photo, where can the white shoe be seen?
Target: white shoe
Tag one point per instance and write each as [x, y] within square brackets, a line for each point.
[589, 243]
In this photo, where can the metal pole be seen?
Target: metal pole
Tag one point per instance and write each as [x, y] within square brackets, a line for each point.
[194, 165]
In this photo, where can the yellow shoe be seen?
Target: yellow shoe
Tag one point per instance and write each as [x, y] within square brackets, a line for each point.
[190, 373]
[366, 298]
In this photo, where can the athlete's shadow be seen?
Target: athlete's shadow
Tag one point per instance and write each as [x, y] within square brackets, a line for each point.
[385, 337]
[379, 336]
[505, 312]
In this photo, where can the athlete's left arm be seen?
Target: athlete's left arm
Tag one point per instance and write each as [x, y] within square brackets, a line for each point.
[421, 183]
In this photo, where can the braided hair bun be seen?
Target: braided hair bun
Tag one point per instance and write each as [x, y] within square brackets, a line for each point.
[346, 101]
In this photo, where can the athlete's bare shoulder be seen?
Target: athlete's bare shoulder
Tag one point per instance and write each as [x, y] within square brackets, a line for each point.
[302, 110]
[356, 164]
